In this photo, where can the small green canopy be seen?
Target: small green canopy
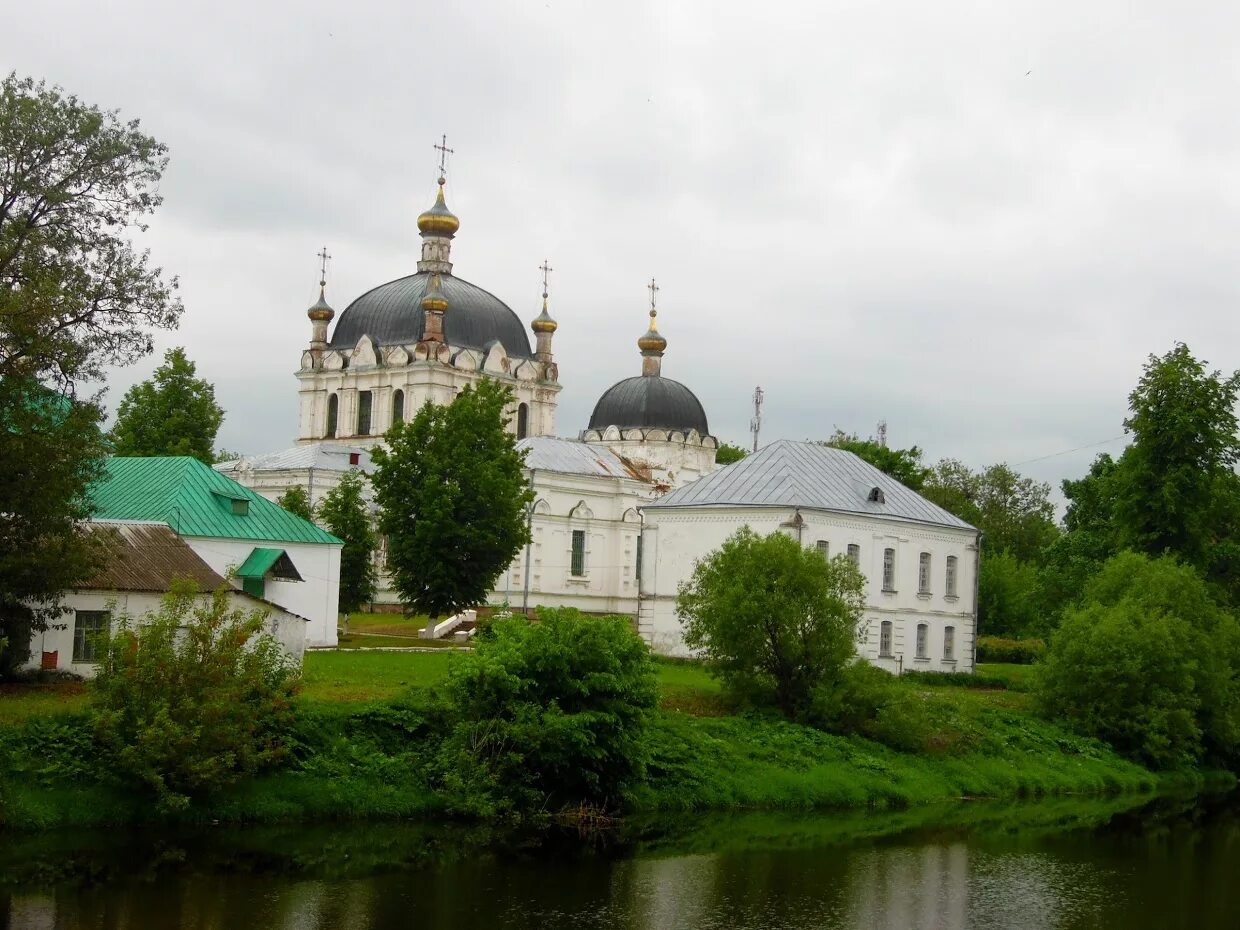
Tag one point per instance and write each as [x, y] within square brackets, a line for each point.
[261, 561]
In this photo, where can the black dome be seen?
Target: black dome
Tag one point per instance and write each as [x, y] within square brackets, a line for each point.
[392, 314]
[649, 401]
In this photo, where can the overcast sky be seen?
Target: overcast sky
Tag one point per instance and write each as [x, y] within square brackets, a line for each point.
[971, 220]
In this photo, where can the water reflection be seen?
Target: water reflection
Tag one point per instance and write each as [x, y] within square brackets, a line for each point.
[1151, 869]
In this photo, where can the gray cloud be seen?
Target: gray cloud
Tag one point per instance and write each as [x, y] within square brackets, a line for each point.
[873, 211]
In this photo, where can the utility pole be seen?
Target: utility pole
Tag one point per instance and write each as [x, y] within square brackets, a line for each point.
[755, 425]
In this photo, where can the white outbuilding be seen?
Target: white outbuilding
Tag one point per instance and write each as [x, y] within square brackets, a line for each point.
[920, 562]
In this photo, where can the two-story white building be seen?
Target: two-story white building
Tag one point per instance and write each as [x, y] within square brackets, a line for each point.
[920, 562]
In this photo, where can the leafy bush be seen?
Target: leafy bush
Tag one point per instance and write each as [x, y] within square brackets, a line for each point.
[775, 620]
[550, 714]
[1015, 651]
[957, 680]
[1149, 663]
[1007, 595]
[192, 697]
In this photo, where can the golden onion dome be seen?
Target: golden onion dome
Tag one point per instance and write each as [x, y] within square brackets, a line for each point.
[543, 323]
[434, 299]
[322, 309]
[439, 220]
[651, 343]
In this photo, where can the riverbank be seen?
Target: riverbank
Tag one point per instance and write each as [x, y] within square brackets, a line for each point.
[363, 747]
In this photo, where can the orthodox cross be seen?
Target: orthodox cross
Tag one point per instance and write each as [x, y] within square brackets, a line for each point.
[654, 293]
[546, 269]
[442, 148]
[323, 258]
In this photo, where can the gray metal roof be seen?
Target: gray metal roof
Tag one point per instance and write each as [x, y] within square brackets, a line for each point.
[325, 455]
[574, 457]
[392, 314]
[649, 401]
[805, 474]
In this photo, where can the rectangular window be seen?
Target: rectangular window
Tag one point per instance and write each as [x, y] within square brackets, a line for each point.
[951, 576]
[921, 641]
[949, 643]
[854, 554]
[363, 413]
[824, 548]
[923, 574]
[889, 569]
[579, 552]
[638, 573]
[87, 625]
[884, 639]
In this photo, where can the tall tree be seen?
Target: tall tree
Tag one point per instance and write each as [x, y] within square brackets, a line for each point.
[75, 183]
[171, 413]
[1175, 481]
[904, 465]
[344, 511]
[297, 502]
[452, 491]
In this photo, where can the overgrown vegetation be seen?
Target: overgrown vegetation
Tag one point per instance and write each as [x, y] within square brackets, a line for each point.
[191, 698]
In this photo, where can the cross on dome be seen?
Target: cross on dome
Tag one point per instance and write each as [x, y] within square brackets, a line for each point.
[444, 152]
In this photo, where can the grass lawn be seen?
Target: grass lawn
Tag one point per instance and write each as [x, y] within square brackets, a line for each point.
[386, 624]
[1018, 677]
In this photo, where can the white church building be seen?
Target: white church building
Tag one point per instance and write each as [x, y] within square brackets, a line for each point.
[613, 521]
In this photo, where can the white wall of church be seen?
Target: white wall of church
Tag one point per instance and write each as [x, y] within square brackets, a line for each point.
[604, 511]
[316, 597]
[675, 538]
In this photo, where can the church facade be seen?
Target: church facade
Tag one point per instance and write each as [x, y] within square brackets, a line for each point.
[624, 508]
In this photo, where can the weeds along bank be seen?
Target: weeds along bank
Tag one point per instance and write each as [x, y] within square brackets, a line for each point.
[400, 758]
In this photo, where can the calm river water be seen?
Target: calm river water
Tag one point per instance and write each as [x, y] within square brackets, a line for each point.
[1059, 864]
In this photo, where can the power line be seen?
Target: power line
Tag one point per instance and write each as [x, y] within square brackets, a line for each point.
[1043, 458]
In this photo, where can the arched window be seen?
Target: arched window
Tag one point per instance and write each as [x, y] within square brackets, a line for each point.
[364, 401]
[884, 639]
[523, 420]
[333, 410]
[922, 631]
[949, 643]
[951, 576]
[889, 570]
[923, 573]
[398, 407]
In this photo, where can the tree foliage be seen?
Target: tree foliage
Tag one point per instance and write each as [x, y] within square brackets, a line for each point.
[172, 413]
[297, 502]
[1148, 662]
[1007, 596]
[727, 453]
[553, 713]
[452, 491]
[1014, 513]
[347, 516]
[775, 620]
[52, 449]
[193, 697]
[75, 182]
[905, 465]
[1175, 487]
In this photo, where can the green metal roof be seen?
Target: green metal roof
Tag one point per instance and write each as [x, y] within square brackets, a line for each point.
[194, 500]
[259, 562]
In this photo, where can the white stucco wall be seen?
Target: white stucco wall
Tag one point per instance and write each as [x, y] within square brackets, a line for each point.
[288, 630]
[675, 538]
[316, 597]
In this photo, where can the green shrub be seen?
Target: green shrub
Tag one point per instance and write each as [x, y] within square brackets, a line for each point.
[775, 621]
[957, 680]
[1014, 651]
[549, 715]
[1149, 663]
[191, 698]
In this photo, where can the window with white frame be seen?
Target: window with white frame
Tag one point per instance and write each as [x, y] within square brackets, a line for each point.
[951, 576]
[949, 643]
[824, 548]
[884, 639]
[922, 636]
[854, 554]
[889, 569]
[88, 626]
[923, 573]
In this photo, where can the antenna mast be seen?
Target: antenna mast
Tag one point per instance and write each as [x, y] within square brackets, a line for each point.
[882, 433]
[755, 425]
